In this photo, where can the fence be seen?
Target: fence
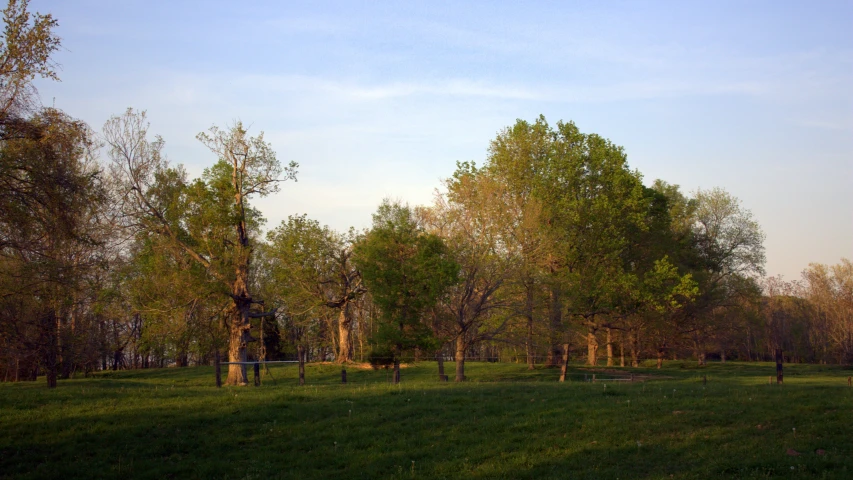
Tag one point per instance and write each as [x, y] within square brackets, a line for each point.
[332, 373]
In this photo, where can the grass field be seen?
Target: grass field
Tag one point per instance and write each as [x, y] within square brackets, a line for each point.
[505, 422]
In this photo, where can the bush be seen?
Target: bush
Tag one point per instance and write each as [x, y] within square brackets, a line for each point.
[380, 357]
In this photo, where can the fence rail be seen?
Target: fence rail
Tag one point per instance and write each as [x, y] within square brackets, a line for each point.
[261, 362]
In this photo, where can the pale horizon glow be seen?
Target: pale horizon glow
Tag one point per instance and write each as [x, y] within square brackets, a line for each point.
[380, 100]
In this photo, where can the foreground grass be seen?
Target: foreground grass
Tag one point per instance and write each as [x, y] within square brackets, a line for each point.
[505, 422]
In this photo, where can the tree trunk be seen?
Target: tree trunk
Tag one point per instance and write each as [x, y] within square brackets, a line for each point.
[52, 347]
[239, 327]
[748, 342]
[699, 352]
[661, 354]
[609, 348]
[555, 323]
[117, 359]
[622, 348]
[442, 377]
[300, 352]
[591, 346]
[528, 312]
[565, 367]
[217, 368]
[635, 349]
[460, 358]
[398, 351]
[345, 347]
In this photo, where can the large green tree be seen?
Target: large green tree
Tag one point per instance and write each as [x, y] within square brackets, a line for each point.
[406, 271]
[729, 252]
[52, 231]
[311, 270]
[209, 220]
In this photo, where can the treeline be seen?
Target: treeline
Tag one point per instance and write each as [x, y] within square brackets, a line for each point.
[553, 249]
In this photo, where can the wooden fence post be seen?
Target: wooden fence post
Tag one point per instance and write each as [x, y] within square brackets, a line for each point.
[778, 366]
[300, 352]
[218, 368]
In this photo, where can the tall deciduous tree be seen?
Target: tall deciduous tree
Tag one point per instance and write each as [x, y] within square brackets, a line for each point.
[51, 228]
[730, 250]
[25, 49]
[209, 221]
[830, 290]
[311, 268]
[471, 219]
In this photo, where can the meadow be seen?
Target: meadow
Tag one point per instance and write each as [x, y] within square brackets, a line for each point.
[505, 422]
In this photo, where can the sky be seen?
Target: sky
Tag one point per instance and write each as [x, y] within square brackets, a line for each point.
[380, 99]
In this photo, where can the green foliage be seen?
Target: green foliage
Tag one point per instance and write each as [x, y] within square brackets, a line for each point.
[299, 261]
[406, 271]
[26, 46]
[380, 355]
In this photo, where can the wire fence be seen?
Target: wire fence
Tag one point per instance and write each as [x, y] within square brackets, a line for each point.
[327, 373]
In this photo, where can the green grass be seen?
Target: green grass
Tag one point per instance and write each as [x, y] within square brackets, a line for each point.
[505, 422]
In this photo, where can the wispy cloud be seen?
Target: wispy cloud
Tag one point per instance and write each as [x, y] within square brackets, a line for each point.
[365, 91]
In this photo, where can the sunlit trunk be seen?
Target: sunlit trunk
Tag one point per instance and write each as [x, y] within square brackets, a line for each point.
[591, 346]
[565, 364]
[609, 348]
[460, 358]
[345, 346]
[635, 349]
[239, 326]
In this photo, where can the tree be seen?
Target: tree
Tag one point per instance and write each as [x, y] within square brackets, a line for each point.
[52, 215]
[51, 227]
[659, 285]
[406, 270]
[209, 220]
[517, 159]
[729, 247]
[25, 50]
[311, 267]
[470, 221]
[830, 290]
[172, 307]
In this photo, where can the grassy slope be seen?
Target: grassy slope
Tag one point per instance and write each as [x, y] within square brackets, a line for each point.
[504, 423]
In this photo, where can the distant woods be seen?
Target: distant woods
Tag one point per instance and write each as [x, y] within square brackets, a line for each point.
[552, 249]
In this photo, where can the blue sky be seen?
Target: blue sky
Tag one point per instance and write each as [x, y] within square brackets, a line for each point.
[378, 99]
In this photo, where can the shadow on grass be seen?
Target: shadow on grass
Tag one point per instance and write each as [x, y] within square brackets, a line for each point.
[162, 426]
